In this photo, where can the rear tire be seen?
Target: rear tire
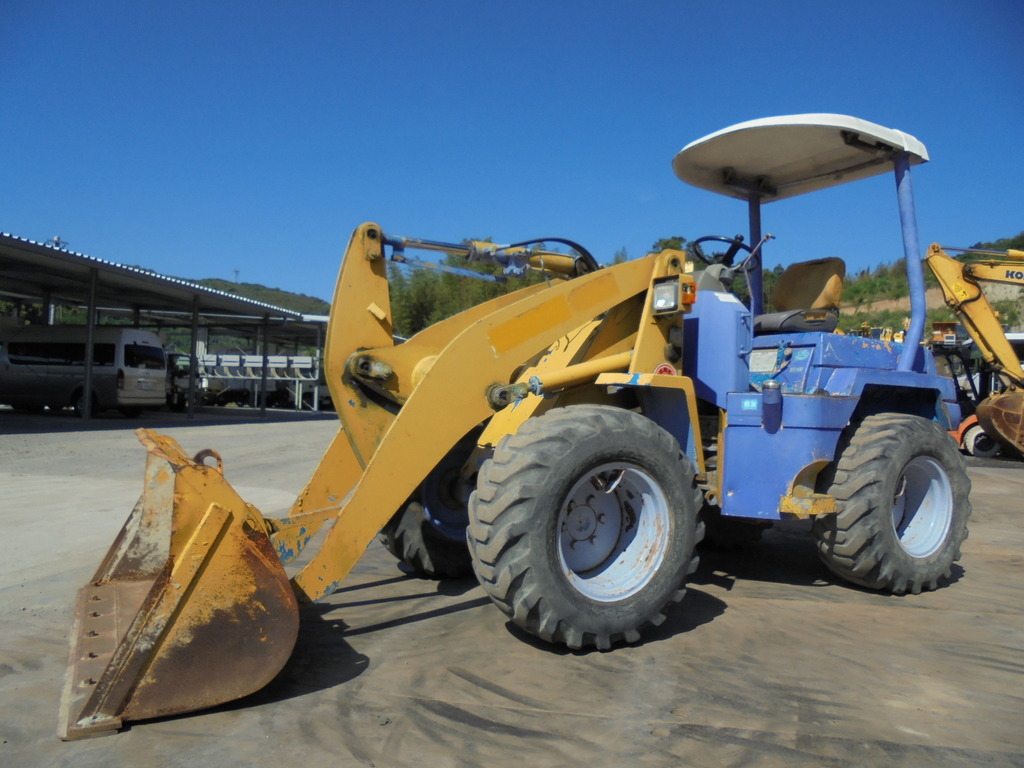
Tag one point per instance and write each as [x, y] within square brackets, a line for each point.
[583, 525]
[410, 536]
[903, 504]
[429, 533]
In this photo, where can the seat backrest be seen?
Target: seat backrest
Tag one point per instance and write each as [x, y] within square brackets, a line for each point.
[816, 284]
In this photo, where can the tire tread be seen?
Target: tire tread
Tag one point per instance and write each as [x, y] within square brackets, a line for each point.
[501, 516]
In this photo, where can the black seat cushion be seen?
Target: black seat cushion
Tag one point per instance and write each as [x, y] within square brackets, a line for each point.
[797, 321]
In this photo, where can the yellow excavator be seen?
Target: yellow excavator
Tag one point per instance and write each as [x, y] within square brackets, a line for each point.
[1001, 414]
[567, 442]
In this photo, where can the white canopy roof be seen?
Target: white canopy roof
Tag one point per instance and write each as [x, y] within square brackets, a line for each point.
[779, 157]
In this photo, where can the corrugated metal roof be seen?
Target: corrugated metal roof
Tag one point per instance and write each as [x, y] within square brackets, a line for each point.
[36, 271]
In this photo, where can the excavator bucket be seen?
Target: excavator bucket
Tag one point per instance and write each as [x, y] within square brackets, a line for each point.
[190, 608]
[1002, 417]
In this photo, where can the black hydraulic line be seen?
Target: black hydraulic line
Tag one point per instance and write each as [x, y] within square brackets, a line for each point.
[585, 256]
[585, 259]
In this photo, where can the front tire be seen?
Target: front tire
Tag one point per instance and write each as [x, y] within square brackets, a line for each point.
[583, 525]
[903, 504]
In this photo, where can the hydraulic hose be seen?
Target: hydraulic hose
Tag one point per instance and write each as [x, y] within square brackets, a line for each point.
[586, 260]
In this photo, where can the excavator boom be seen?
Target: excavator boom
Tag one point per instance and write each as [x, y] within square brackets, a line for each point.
[1001, 414]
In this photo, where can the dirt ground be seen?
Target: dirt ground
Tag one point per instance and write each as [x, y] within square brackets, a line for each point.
[767, 662]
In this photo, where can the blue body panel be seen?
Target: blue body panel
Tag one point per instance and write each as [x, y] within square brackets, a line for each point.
[758, 464]
[825, 380]
[716, 346]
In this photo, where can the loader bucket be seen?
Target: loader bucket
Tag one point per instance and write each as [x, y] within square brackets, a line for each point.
[190, 608]
[1002, 417]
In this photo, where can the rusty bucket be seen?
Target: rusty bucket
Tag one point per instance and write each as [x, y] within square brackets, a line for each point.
[190, 608]
[1002, 417]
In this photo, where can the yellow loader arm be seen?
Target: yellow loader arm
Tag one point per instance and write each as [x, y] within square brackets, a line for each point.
[196, 576]
[1002, 414]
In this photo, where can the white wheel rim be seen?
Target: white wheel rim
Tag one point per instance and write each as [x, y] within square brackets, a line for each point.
[922, 510]
[613, 531]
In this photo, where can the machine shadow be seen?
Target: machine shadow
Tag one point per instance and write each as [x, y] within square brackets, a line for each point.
[323, 658]
[15, 423]
[786, 555]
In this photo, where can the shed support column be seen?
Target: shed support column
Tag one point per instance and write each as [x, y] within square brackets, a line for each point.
[89, 335]
[193, 366]
[264, 343]
[316, 363]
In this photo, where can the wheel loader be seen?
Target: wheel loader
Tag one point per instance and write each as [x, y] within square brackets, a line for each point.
[568, 442]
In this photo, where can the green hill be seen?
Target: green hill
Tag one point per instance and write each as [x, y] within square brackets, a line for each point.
[1004, 244]
[299, 302]
[880, 297]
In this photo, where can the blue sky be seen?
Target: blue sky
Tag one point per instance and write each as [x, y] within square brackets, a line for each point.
[200, 138]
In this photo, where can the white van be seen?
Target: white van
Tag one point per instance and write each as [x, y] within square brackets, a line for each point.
[45, 366]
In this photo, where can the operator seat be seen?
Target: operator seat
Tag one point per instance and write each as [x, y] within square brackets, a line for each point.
[806, 298]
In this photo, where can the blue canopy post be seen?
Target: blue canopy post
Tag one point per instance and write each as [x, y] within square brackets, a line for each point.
[912, 253]
[755, 275]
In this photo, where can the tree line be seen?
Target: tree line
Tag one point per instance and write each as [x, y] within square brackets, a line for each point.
[421, 297]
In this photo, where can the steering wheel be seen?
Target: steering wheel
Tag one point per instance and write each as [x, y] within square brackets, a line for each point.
[735, 244]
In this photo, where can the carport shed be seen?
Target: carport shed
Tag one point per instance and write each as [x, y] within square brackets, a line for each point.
[39, 273]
